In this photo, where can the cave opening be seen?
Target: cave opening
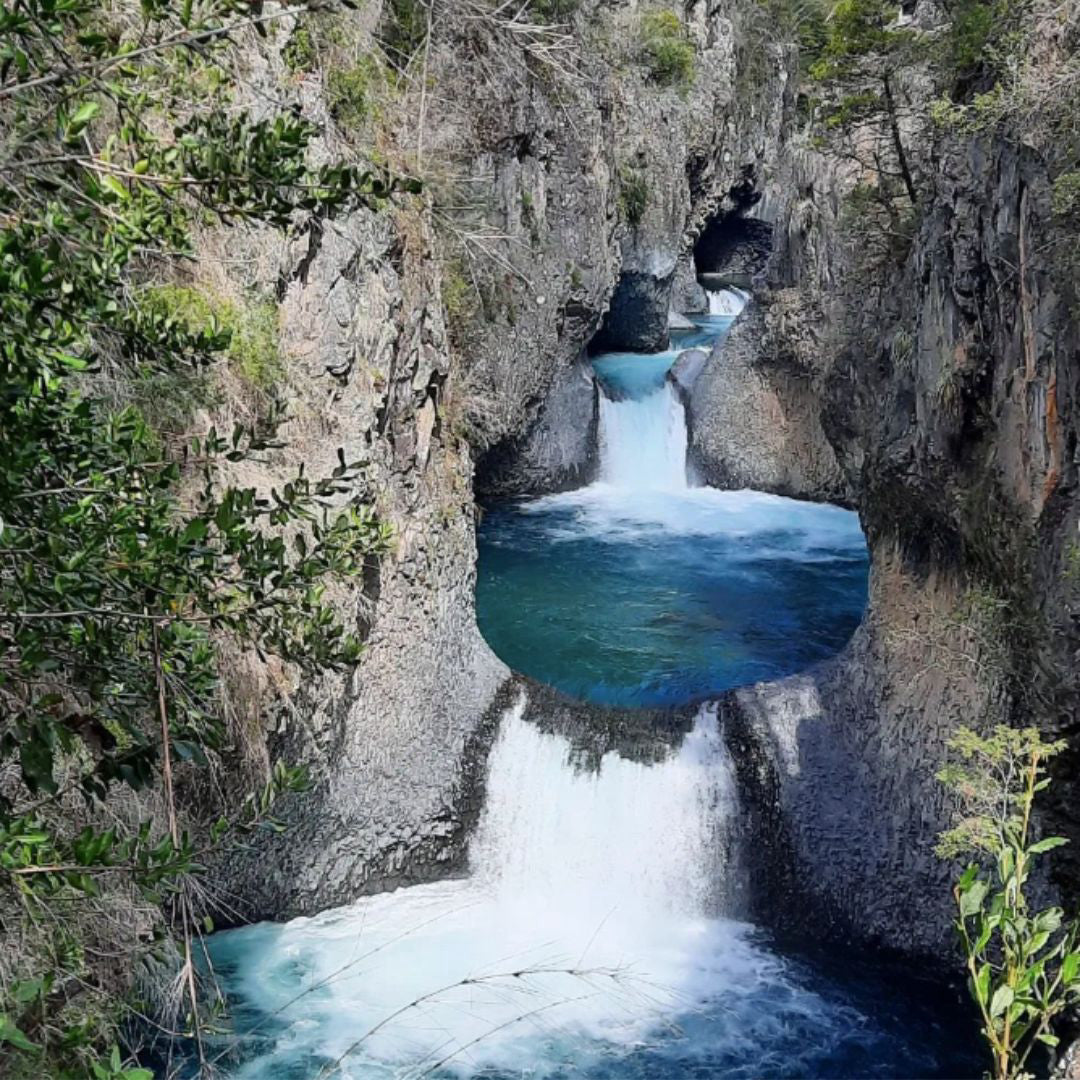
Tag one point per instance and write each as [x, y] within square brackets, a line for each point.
[731, 250]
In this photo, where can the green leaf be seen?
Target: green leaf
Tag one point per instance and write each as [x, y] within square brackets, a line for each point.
[1002, 999]
[1046, 1037]
[1047, 844]
[1070, 967]
[115, 186]
[80, 118]
[971, 899]
[10, 1034]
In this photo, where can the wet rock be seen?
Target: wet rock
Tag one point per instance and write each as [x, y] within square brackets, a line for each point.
[755, 424]
[559, 452]
[637, 320]
[686, 370]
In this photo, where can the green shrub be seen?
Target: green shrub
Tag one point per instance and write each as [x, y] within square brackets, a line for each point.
[633, 195]
[349, 91]
[250, 329]
[254, 348]
[404, 28]
[300, 53]
[1023, 965]
[666, 50]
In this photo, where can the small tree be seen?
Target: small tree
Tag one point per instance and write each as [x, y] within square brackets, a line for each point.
[126, 554]
[866, 49]
[1023, 965]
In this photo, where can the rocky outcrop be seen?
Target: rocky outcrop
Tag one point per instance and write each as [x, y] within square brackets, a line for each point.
[836, 769]
[944, 379]
[637, 319]
[755, 421]
[558, 453]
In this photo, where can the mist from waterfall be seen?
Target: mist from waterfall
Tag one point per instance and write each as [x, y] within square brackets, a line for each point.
[609, 873]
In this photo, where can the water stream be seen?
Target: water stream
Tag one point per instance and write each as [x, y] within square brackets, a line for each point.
[589, 939]
[584, 944]
[644, 590]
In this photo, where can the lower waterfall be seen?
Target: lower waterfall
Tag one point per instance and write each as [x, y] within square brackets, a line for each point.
[584, 944]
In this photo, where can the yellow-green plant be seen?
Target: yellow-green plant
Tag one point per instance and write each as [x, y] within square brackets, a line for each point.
[1023, 964]
[667, 50]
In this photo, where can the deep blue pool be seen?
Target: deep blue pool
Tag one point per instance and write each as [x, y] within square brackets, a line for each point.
[666, 597]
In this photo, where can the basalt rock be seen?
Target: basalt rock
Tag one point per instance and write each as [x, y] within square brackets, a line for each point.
[558, 453]
[637, 320]
[756, 423]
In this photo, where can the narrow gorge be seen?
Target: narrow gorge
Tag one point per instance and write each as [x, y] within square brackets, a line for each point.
[522, 521]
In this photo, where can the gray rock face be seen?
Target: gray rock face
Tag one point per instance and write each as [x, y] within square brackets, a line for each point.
[560, 452]
[687, 295]
[836, 773]
[686, 371]
[947, 398]
[756, 424]
[637, 320]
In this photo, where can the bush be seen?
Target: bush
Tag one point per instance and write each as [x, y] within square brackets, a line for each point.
[1023, 965]
[633, 195]
[1066, 196]
[554, 10]
[349, 91]
[666, 49]
[249, 331]
[300, 54]
[404, 28]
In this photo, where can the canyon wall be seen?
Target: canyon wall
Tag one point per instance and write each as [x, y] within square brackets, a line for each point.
[946, 384]
[446, 328]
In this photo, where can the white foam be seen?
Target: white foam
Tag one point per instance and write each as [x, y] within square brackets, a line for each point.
[643, 442]
[609, 873]
[778, 526]
[727, 301]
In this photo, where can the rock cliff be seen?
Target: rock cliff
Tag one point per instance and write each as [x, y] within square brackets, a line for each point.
[559, 165]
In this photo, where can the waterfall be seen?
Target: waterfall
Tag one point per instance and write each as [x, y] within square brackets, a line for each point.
[575, 845]
[728, 301]
[590, 901]
[643, 441]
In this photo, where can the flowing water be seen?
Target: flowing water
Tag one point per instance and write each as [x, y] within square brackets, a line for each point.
[587, 942]
[584, 944]
[643, 590]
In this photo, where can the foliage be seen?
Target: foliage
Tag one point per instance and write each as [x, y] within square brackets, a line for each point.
[666, 49]
[860, 64]
[804, 22]
[248, 331]
[554, 11]
[349, 91]
[633, 195]
[127, 559]
[404, 28]
[1023, 965]
[300, 53]
[1066, 195]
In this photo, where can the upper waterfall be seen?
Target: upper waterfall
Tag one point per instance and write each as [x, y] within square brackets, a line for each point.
[643, 441]
[727, 301]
